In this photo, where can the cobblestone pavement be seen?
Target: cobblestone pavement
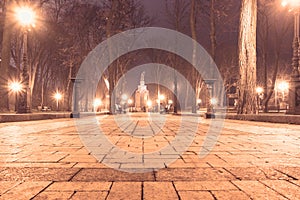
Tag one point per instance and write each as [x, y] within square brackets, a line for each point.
[250, 160]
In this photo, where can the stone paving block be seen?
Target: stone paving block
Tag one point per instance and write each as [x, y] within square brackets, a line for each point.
[126, 158]
[182, 164]
[9, 150]
[193, 174]
[204, 185]
[285, 188]
[257, 190]
[140, 167]
[4, 165]
[79, 158]
[89, 196]
[37, 174]
[293, 172]
[92, 175]
[296, 182]
[230, 195]
[195, 195]
[257, 173]
[125, 190]
[215, 161]
[36, 165]
[90, 165]
[79, 186]
[53, 195]
[8, 158]
[42, 158]
[159, 191]
[25, 191]
[78, 151]
[50, 165]
[7, 185]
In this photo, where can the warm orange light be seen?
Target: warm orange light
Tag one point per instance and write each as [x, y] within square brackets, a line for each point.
[283, 86]
[97, 102]
[259, 90]
[149, 103]
[213, 101]
[124, 97]
[292, 3]
[130, 101]
[15, 86]
[161, 97]
[25, 15]
[57, 96]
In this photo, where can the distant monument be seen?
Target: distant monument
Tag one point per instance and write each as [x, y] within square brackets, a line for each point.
[141, 95]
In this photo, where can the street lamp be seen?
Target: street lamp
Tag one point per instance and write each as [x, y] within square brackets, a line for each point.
[213, 101]
[106, 102]
[97, 103]
[199, 101]
[58, 97]
[283, 87]
[130, 102]
[259, 91]
[294, 95]
[16, 88]
[149, 104]
[162, 97]
[210, 85]
[26, 17]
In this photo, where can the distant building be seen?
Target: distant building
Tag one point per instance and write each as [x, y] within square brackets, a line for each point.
[141, 95]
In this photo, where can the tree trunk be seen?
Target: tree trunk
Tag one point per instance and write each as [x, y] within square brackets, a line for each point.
[5, 60]
[112, 70]
[247, 58]
[194, 36]
[68, 91]
[42, 93]
[213, 40]
[264, 61]
[273, 80]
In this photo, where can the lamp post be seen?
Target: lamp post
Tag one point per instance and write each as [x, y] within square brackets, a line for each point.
[260, 94]
[57, 97]
[294, 94]
[97, 104]
[149, 105]
[106, 102]
[130, 102]
[26, 17]
[16, 88]
[283, 87]
[210, 84]
[161, 99]
[75, 110]
[199, 101]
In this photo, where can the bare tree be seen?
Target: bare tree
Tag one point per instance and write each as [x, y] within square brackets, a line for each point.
[122, 15]
[271, 35]
[247, 57]
[177, 15]
[5, 55]
[194, 36]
